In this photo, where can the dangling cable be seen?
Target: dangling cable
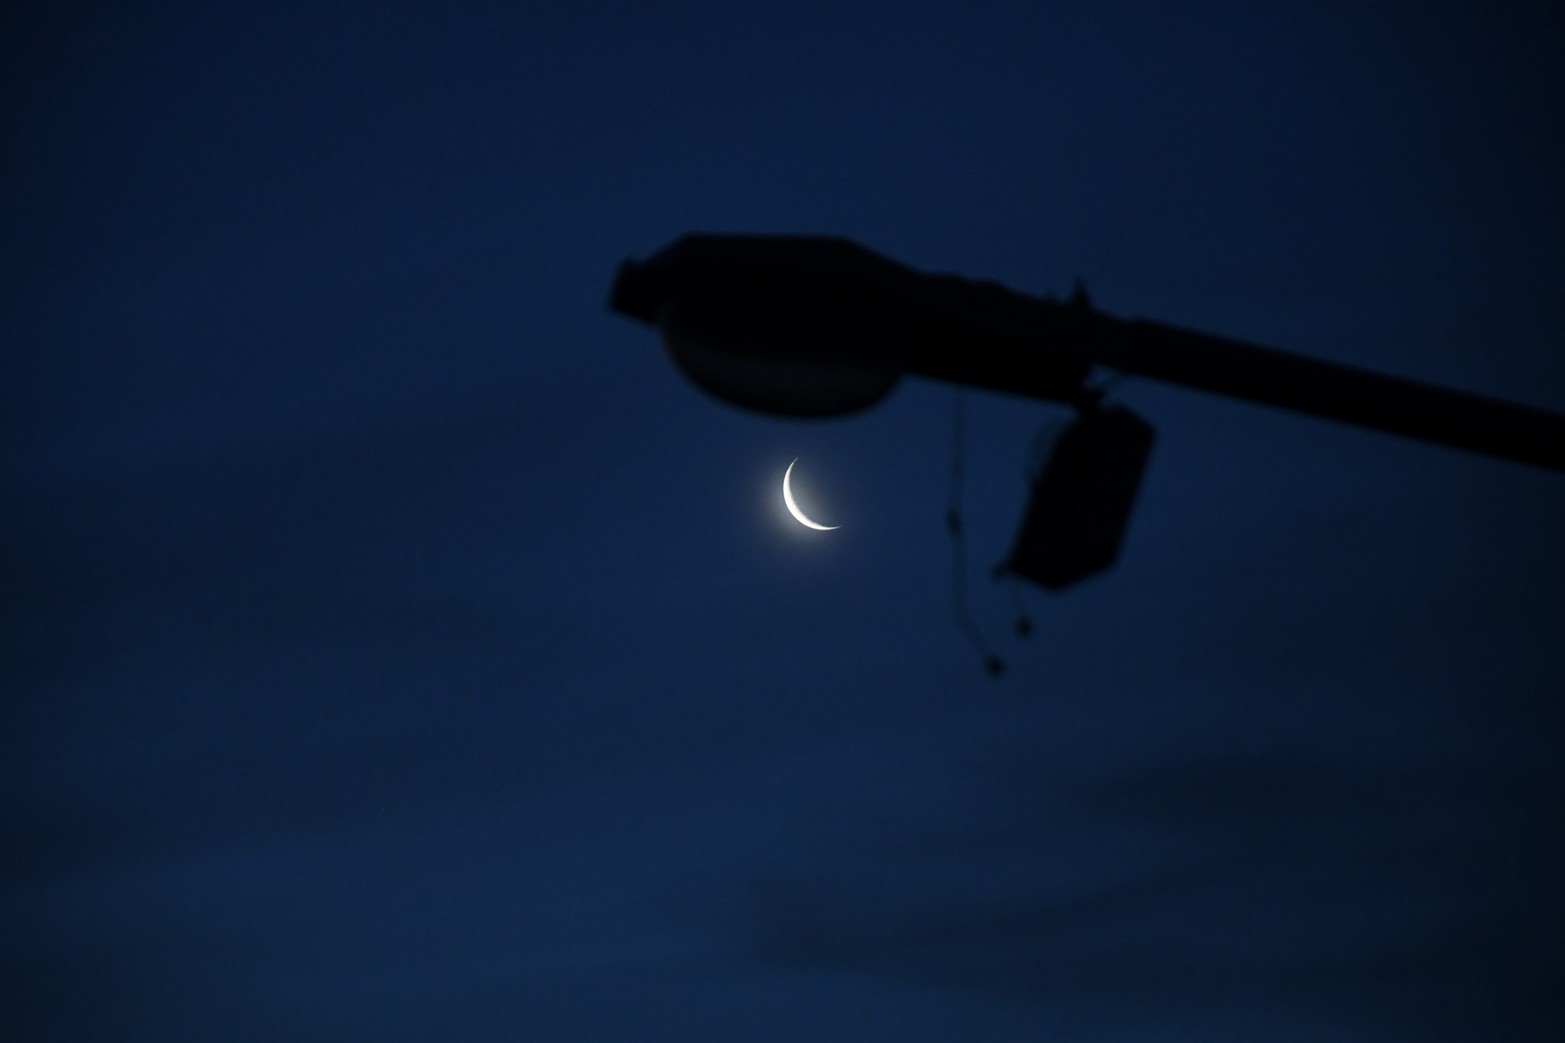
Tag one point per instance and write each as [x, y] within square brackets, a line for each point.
[992, 663]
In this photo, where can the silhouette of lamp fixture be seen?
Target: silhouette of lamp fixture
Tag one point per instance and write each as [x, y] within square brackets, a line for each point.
[812, 326]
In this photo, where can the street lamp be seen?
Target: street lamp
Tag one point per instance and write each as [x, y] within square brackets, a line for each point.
[819, 326]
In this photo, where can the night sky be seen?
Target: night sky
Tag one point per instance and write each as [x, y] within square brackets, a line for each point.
[397, 647]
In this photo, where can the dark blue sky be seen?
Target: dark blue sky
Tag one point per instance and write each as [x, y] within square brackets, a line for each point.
[398, 648]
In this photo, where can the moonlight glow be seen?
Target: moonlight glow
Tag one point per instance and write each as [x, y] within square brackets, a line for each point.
[793, 508]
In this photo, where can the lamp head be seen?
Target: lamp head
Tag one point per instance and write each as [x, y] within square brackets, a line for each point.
[816, 326]
[773, 370]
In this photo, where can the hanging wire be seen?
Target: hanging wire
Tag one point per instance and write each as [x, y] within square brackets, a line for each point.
[992, 663]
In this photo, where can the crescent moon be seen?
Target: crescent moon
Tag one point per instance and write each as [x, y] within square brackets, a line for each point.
[793, 508]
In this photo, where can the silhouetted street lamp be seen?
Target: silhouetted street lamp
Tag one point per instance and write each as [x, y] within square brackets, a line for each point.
[820, 326]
